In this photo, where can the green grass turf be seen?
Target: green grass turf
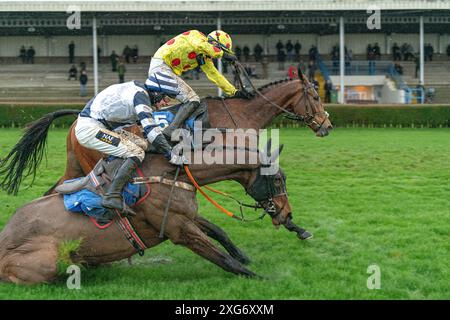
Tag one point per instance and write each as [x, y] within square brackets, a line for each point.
[370, 196]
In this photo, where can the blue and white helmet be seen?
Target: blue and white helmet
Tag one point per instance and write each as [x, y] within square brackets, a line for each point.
[162, 82]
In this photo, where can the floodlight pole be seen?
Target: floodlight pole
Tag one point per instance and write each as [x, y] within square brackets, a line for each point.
[341, 58]
[219, 61]
[95, 53]
[422, 53]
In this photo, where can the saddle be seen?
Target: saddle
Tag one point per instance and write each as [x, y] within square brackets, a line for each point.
[85, 194]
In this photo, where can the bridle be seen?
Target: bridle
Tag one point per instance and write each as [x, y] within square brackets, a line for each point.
[309, 118]
[267, 187]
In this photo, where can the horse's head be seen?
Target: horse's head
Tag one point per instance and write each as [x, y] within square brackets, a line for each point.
[269, 190]
[309, 108]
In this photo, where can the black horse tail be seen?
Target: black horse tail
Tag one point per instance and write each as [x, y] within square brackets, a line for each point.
[24, 159]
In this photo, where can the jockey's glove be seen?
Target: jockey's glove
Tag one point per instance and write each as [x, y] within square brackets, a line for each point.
[229, 57]
[244, 94]
[177, 160]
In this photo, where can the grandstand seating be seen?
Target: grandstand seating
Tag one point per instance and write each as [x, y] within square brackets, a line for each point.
[48, 82]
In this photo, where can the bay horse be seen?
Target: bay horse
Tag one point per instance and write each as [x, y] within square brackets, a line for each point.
[294, 97]
[31, 242]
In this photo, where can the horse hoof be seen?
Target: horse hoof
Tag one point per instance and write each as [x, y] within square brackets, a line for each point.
[305, 235]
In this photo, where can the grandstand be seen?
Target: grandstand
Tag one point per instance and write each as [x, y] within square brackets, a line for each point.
[323, 23]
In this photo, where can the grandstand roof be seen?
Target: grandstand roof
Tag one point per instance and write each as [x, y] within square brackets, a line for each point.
[219, 5]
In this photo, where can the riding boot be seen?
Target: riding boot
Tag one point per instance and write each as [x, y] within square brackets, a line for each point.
[185, 111]
[113, 197]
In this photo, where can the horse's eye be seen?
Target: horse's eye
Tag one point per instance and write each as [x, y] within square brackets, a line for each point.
[277, 182]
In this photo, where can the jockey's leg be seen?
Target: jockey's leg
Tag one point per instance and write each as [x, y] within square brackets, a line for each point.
[92, 134]
[162, 77]
[191, 102]
[139, 141]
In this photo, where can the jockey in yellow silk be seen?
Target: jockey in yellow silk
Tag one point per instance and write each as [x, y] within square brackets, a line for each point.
[187, 51]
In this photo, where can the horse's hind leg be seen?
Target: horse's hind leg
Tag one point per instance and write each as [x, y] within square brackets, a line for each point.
[32, 262]
[219, 235]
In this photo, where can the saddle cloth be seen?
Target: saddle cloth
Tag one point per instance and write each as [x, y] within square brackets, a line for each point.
[84, 195]
[165, 116]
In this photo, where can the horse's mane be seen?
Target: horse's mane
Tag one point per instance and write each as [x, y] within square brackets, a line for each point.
[260, 89]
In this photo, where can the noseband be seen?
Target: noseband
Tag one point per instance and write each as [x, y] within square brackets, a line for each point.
[309, 119]
[267, 187]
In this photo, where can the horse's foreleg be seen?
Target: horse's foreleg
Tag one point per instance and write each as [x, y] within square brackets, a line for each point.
[181, 230]
[219, 235]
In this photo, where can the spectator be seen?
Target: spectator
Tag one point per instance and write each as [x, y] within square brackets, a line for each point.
[246, 51]
[114, 58]
[121, 71]
[83, 83]
[258, 52]
[23, 54]
[290, 50]
[371, 57]
[127, 53]
[417, 62]
[448, 50]
[328, 87]
[377, 51]
[311, 70]
[279, 46]
[250, 71]
[238, 52]
[135, 53]
[313, 52]
[71, 52]
[281, 58]
[30, 55]
[348, 61]
[73, 72]
[265, 66]
[396, 55]
[428, 51]
[297, 48]
[99, 53]
[369, 51]
[398, 67]
[82, 66]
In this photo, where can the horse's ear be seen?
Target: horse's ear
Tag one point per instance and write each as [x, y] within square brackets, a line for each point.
[276, 153]
[301, 76]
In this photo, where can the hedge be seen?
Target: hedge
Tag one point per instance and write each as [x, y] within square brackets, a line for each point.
[430, 116]
[17, 115]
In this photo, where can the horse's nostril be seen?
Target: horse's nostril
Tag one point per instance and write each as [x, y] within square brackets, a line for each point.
[330, 127]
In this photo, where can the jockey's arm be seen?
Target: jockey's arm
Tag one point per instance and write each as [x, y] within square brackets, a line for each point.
[215, 76]
[144, 113]
[152, 130]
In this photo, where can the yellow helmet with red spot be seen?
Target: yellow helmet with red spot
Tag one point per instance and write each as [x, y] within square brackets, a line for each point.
[222, 40]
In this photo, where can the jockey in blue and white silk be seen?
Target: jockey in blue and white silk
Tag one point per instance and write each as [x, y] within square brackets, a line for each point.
[100, 127]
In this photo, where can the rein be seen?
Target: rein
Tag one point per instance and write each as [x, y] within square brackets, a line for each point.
[218, 206]
[308, 120]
